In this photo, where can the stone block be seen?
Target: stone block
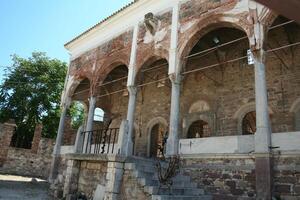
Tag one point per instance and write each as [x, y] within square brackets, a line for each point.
[283, 189]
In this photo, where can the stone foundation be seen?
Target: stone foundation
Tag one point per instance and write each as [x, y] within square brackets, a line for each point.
[225, 177]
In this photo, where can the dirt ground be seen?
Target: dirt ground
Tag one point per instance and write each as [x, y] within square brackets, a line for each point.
[23, 188]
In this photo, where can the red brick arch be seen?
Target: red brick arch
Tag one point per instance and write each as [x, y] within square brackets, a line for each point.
[148, 60]
[209, 23]
[74, 82]
[106, 68]
[154, 55]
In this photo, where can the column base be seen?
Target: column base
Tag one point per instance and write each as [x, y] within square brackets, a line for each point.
[172, 147]
[54, 168]
[263, 171]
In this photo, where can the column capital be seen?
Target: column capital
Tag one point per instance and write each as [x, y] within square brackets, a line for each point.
[176, 78]
[132, 90]
[259, 55]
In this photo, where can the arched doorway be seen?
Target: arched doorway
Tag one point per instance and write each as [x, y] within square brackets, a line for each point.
[199, 129]
[157, 140]
[249, 123]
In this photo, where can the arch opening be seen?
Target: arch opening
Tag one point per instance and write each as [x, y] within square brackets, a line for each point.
[249, 123]
[158, 140]
[199, 129]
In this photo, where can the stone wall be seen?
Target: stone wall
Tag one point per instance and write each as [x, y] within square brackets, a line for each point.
[91, 173]
[26, 163]
[6, 133]
[286, 176]
[130, 190]
[225, 177]
[34, 162]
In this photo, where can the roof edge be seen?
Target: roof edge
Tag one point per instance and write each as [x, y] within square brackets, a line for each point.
[101, 22]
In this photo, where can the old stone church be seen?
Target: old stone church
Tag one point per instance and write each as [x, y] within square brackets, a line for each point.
[212, 86]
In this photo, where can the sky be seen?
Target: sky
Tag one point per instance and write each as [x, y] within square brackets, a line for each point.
[46, 25]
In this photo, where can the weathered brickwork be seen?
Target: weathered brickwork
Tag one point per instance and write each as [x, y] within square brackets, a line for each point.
[217, 87]
[287, 176]
[7, 131]
[225, 178]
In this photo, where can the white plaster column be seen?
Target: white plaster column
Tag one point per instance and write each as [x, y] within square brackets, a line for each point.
[173, 138]
[263, 128]
[130, 117]
[128, 149]
[89, 124]
[59, 138]
[175, 77]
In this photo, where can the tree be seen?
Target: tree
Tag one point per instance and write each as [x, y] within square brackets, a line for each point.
[31, 93]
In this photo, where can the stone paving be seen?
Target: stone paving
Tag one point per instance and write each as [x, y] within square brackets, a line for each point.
[23, 188]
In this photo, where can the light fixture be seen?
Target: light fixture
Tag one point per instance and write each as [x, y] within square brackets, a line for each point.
[216, 40]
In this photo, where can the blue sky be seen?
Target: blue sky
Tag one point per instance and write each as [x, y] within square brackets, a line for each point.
[46, 25]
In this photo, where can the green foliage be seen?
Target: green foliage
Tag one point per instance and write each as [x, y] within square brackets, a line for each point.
[31, 94]
[76, 112]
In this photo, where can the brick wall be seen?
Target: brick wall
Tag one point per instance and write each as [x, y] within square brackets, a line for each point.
[287, 176]
[224, 178]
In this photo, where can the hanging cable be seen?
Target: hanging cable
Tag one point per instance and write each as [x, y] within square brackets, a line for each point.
[200, 69]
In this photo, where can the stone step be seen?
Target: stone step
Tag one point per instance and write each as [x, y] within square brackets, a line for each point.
[143, 181]
[153, 176]
[155, 190]
[181, 197]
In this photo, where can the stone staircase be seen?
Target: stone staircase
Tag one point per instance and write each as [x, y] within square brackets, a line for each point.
[145, 172]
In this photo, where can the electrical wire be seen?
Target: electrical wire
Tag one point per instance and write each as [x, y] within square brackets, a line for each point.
[202, 68]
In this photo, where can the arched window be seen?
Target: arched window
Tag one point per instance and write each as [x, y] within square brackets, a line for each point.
[199, 129]
[249, 123]
[99, 115]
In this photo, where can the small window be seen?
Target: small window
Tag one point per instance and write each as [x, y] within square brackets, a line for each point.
[199, 129]
[99, 115]
[249, 123]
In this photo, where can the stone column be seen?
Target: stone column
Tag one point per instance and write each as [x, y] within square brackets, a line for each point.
[71, 180]
[36, 138]
[59, 138]
[263, 130]
[8, 130]
[115, 171]
[79, 140]
[89, 124]
[173, 138]
[130, 118]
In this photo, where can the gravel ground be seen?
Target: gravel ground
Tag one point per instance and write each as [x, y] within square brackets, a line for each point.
[23, 188]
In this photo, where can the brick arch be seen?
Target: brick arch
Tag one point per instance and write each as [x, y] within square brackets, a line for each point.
[242, 112]
[295, 108]
[194, 117]
[268, 17]
[150, 125]
[208, 24]
[107, 67]
[74, 82]
[146, 61]
[144, 58]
